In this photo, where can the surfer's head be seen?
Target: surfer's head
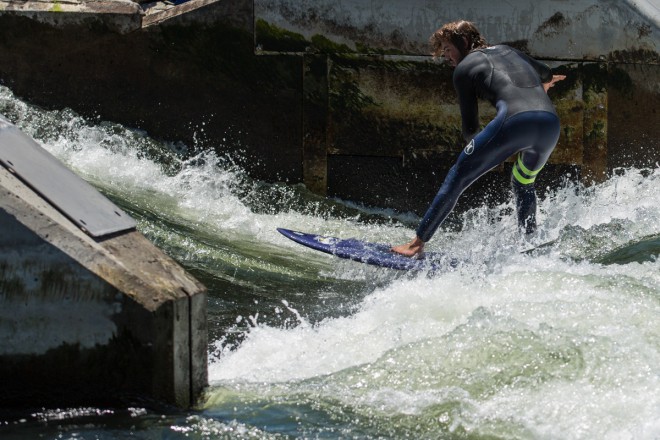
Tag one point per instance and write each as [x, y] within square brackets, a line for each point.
[455, 40]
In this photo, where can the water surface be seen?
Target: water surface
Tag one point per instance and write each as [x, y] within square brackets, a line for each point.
[559, 342]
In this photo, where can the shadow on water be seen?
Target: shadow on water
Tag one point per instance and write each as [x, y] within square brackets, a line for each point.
[603, 244]
[640, 251]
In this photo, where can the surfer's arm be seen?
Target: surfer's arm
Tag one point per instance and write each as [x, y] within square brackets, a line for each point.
[542, 69]
[468, 104]
[548, 80]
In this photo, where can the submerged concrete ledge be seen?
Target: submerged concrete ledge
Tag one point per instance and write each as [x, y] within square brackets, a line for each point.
[91, 320]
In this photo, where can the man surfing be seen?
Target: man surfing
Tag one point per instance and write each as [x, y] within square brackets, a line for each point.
[526, 123]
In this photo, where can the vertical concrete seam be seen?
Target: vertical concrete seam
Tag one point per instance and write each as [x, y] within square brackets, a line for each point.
[191, 354]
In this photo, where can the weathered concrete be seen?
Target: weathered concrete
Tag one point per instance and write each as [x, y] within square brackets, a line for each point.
[347, 99]
[555, 29]
[92, 321]
[390, 99]
[121, 16]
[390, 112]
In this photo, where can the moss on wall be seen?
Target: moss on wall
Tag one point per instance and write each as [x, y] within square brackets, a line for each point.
[270, 37]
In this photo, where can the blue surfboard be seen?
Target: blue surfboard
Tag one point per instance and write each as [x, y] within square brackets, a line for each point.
[370, 253]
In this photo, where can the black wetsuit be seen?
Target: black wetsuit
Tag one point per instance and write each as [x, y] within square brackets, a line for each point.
[526, 123]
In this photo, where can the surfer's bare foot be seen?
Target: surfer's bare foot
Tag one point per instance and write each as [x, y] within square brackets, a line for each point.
[414, 248]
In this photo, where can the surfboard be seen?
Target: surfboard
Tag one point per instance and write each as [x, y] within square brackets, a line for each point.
[376, 254]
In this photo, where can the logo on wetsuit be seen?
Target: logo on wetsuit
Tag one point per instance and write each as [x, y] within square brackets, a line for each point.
[470, 148]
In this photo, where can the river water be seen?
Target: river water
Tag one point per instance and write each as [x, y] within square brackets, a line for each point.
[562, 342]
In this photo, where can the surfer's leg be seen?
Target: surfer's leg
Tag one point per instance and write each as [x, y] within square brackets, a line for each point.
[525, 197]
[483, 153]
[529, 163]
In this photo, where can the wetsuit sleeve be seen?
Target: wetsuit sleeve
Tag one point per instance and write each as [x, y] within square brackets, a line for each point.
[541, 68]
[467, 100]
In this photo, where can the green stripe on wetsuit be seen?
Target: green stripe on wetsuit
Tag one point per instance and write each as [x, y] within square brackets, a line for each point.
[522, 174]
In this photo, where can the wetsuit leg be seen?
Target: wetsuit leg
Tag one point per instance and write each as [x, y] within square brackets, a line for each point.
[527, 166]
[525, 197]
[534, 133]
[479, 156]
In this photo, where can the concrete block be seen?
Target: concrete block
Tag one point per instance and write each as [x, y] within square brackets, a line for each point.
[92, 320]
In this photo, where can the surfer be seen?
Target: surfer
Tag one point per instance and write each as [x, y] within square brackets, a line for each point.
[526, 123]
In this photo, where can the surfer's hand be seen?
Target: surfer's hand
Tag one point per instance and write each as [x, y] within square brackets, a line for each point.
[414, 248]
[551, 83]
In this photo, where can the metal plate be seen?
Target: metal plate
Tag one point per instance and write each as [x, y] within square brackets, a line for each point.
[67, 192]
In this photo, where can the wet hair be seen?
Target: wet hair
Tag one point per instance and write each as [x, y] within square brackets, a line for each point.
[454, 33]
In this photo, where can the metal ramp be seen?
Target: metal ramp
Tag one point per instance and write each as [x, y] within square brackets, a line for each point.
[64, 190]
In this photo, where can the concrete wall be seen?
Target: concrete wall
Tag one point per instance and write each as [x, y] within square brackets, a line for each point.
[342, 95]
[91, 321]
[379, 108]
[551, 29]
